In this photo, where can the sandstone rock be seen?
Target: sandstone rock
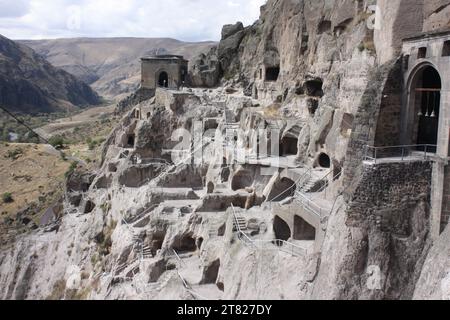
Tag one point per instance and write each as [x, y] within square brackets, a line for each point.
[231, 29]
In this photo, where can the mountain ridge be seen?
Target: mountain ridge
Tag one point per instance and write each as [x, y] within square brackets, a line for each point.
[30, 84]
[110, 65]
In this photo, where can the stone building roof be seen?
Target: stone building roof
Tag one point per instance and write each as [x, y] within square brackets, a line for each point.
[426, 35]
[164, 57]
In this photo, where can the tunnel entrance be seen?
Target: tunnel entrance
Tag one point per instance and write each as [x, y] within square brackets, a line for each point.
[281, 229]
[185, 244]
[303, 230]
[272, 73]
[131, 141]
[163, 79]
[313, 88]
[289, 146]
[324, 161]
[427, 90]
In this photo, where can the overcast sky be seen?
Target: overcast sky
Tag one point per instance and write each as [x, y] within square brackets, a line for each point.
[189, 20]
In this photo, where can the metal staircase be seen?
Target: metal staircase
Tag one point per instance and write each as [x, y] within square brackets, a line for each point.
[304, 195]
[265, 245]
[240, 223]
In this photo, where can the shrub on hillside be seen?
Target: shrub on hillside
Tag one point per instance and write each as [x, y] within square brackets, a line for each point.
[7, 197]
[57, 142]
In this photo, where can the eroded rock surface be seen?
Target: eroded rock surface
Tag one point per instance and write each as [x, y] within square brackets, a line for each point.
[165, 218]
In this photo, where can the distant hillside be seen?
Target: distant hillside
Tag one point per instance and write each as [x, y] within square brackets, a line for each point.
[29, 84]
[110, 65]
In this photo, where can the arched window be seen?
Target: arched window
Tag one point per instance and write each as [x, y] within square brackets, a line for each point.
[425, 101]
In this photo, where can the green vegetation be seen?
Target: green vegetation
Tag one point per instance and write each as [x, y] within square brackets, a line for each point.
[10, 125]
[7, 198]
[106, 207]
[57, 142]
[92, 144]
[14, 154]
[71, 169]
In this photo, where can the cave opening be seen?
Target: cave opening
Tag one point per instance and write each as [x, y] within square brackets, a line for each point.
[241, 180]
[131, 141]
[289, 146]
[156, 241]
[185, 244]
[324, 161]
[211, 273]
[303, 231]
[314, 88]
[272, 73]
[281, 229]
[200, 243]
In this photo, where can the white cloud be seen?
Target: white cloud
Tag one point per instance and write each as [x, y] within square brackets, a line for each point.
[189, 20]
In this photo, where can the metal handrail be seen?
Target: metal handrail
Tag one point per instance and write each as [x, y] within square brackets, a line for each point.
[239, 227]
[283, 242]
[306, 176]
[402, 148]
[294, 185]
[255, 242]
[186, 285]
[309, 204]
[178, 257]
[146, 161]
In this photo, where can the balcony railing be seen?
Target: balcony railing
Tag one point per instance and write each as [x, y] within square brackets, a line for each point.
[400, 153]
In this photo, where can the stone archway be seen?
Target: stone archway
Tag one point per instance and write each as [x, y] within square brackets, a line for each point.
[282, 190]
[163, 79]
[424, 106]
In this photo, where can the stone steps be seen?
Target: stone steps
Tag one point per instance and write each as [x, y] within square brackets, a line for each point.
[121, 268]
[308, 184]
[147, 253]
[240, 223]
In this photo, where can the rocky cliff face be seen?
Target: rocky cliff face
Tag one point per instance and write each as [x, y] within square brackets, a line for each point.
[212, 223]
[30, 84]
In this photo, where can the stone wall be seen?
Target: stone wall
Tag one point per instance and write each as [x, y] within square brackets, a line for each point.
[151, 69]
[391, 208]
[389, 189]
[445, 218]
